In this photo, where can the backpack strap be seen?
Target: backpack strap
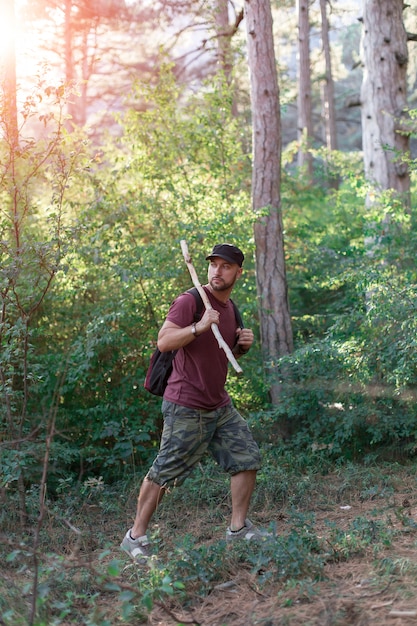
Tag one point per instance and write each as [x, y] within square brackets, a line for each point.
[199, 302]
[238, 316]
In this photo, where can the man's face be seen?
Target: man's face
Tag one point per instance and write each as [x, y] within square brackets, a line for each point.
[222, 275]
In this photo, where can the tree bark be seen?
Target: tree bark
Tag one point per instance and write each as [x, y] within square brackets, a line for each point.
[304, 104]
[221, 17]
[225, 31]
[384, 96]
[275, 321]
[329, 113]
[69, 63]
[9, 86]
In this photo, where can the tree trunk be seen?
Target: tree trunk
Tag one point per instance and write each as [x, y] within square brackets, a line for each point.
[304, 104]
[384, 96]
[275, 321]
[225, 31]
[221, 16]
[328, 86]
[7, 9]
[69, 63]
[86, 72]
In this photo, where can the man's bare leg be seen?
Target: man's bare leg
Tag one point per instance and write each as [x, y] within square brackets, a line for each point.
[241, 486]
[150, 495]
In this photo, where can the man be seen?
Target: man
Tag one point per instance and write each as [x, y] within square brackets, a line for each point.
[198, 413]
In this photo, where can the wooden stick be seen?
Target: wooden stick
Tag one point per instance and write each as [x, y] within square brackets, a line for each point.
[206, 302]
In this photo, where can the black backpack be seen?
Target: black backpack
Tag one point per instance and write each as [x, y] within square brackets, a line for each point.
[160, 366]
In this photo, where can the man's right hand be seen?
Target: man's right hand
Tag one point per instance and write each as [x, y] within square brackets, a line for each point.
[211, 316]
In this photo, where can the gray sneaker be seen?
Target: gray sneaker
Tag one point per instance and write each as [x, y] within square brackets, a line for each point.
[139, 549]
[249, 532]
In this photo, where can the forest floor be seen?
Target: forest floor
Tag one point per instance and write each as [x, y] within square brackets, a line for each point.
[371, 582]
[373, 579]
[370, 587]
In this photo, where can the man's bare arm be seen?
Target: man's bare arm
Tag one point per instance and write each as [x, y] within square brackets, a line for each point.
[173, 337]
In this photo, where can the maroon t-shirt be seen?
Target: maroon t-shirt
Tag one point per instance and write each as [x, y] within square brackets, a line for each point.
[200, 368]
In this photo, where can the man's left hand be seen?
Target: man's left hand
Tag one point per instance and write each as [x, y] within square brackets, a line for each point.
[244, 340]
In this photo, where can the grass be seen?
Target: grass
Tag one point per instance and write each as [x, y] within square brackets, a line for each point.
[347, 532]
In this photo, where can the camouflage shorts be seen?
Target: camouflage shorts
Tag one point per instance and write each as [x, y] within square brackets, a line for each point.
[189, 433]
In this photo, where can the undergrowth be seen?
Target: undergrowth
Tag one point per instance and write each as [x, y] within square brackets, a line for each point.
[77, 574]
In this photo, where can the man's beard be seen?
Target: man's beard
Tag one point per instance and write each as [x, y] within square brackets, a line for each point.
[222, 286]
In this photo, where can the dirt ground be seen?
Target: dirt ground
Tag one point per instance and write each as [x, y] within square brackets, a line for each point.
[376, 586]
[353, 592]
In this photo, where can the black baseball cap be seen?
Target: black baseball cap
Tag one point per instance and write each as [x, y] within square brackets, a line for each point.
[228, 252]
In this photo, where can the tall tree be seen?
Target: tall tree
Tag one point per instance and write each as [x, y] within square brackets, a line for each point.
[221, 20]
[304, 102]
[275, 321]
[384, 95]
[225, 31]
[8, 75]
[328, 84]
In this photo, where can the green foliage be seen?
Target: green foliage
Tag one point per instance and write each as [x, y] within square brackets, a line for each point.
[127, 265]
[324, 243]
[89, 263]
[36, 232]
[81, 577]
[102, 264]
[361, 534]
[97, 262]
[293, 556]
[349, 384]
[111, 590]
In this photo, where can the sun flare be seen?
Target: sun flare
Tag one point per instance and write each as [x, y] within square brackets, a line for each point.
[7, 28]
